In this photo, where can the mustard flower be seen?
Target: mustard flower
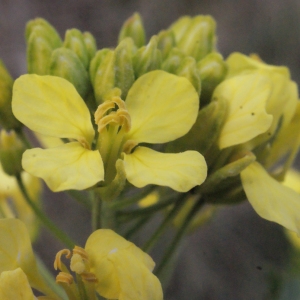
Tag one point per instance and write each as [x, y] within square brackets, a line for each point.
[159, 108]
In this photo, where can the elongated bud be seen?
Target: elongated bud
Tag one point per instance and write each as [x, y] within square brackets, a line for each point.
[41, 40]
[104, 78]
[11, 150]
[188, 69]
[124, 73]
[180, 26]
[134, 28]
[74, 41]
[90, 44]
[212, 69]
[66, 64]
[198, 39]
[96, 61]
[147, 58]
[166, 42]
[205, 131]
[7, 119]
[173, 61]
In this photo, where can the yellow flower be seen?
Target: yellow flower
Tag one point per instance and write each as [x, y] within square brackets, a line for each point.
[117, 268]
[12, 202]
[159, 108]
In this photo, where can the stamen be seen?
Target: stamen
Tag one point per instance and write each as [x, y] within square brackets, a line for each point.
[57, 261]
[64, 278]
[81, 252]
[84, 143]
[90, 277]
[102, 110]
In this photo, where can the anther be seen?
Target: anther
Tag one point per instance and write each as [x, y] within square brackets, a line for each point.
[63, 277]
[57, 261]
[89, 277]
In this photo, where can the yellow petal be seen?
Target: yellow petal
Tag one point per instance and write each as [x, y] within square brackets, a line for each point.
[162, 107]
[136, 281]
[246, 96]
[69, 166]
[99, 246]
[51, 105]
[270, 199]
[181, 171]
[14, 286]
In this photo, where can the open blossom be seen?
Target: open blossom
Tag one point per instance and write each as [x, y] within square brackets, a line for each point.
[263, 117]
[159, 108]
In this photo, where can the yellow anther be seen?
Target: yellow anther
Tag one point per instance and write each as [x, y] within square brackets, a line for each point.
[121, 104]
[57, 261]
[103, 109]
[90, 277]
[63, 277]
[78, 264]
[129, 145]
[81, 252]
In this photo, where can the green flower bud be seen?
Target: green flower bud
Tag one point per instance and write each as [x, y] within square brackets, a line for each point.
[11, 151]
[173, 61]
[213, 70]
[180, 26]
[205, 131]
[124, 73]
[41, 40]
[188, 69]
[147, 58]
[7, 119]
[90, 44]
[134, 28]
[96, 61]
[74, 41]
[66, 64]
[166, 42]
[198, 38]
[104, 78]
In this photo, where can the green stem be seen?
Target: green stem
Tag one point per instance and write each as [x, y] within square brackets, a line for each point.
[81, 197]
[161, 229]
[180, 233]
[43, 218]
[137, 226]
[108, 216]
[96, 212]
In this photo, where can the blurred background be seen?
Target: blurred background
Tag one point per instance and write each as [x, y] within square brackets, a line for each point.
[235, 256]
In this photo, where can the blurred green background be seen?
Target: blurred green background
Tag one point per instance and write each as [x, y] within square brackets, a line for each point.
[237, 255]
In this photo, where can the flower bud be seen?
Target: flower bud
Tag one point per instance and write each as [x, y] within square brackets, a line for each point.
[74, 41]
[11, 150]
[96, 61]
[104, 77]
[166, 42]
[41, 40]
[147, 58]
[7, 119]
[173, 61]
[180, 26]
[66, 64]
[90, 44]
[134, 28]
[124, 73]
[198, 38]
[212, 69]
[189, 70]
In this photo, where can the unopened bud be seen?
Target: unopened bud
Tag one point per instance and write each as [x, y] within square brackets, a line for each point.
[180, 26]
[90, 44]
[199, 37]
[74, 41]
[188, 69]
[41, 40]
[147, 58]
[134, 28]
[7, 119]
[11, 150]
[124, 73]
[165, 42]
[66, 64]
[173, 61]
[212, 69]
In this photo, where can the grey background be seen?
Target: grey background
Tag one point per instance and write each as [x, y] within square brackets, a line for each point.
[234, 256]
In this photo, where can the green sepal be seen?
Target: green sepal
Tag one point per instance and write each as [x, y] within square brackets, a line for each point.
[133, 28]
[66, 64]
[124, 73]
[212, 69]
[41, 40]
[188, 69]
[90, 44]
[180, 26]
[7, 119]
[104, 78]
[96, 61]
[113, 190]
[74, 41]
[165, 42]
[147, 58]
[205, 131]
[198, 38]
